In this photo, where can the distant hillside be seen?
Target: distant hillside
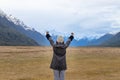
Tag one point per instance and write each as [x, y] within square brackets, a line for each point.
[11, 37]
[14, 32]
[22, 28]
[113, 42]
[86, 42]
[93, 42]
[80, 42]
[100, 40]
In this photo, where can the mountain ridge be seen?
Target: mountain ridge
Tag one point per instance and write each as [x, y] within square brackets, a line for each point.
[18, 25]
[22, 28]
[113, 41]
[10, 37]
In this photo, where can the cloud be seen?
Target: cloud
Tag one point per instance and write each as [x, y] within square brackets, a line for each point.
[84, 17]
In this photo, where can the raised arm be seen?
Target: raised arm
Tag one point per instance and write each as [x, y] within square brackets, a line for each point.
[49, 38]
[69, 40]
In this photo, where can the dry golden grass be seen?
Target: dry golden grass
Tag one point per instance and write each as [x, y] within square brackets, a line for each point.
[85, 63]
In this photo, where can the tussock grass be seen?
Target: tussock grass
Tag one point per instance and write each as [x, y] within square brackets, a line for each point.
[84, 63]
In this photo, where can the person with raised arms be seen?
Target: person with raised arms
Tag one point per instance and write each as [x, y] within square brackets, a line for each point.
[58, 63]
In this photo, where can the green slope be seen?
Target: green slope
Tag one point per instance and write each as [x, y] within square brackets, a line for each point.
[113, 42]
[11, 37]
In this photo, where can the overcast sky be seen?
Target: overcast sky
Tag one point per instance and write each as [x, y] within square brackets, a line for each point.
[83, 17]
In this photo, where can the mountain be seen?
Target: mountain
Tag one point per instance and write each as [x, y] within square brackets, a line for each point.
[92, 42]
[105, 40]
[11, 37]
[22, 28]
[95, 42]
[85, 41]
[17, 28]
[80, 42]
[113, 42]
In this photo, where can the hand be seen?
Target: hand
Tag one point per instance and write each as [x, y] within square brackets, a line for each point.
[47, 32]
[72, 34]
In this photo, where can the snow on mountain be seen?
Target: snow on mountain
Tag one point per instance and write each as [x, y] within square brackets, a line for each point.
[40, 39]
[21, 27]
[114, 41]
[16, 21]
[2, 14]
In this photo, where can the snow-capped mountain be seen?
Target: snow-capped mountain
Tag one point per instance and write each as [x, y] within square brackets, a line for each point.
[16, 21]
[19, 22]
[11, 37]
[114, 41]
[13, 22]
[21, 27]
[91, 42]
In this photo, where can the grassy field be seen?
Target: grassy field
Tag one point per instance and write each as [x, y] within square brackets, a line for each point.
[84, 63]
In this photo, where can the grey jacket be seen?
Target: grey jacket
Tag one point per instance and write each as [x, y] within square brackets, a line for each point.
[59, 53]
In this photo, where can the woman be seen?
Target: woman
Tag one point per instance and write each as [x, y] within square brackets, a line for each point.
[58, 63]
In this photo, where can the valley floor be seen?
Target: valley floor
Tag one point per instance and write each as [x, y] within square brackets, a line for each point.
[84, 63]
